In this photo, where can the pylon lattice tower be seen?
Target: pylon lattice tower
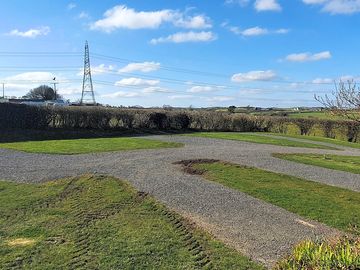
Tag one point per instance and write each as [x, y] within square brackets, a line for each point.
[87, 95]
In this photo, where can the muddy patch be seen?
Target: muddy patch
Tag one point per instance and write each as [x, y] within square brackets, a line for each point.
[188, 165]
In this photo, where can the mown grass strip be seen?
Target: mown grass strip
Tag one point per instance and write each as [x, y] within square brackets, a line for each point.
[336, 207]
[99, 222]
[258, 138]
[342, 163]
[319, 139]
[83, 146]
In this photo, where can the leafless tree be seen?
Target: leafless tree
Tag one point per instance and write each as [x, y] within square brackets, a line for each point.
[344, 101]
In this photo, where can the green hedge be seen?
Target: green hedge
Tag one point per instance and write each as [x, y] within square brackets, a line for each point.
[102, 118]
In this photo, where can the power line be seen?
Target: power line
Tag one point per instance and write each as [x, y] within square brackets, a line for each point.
[127, 61]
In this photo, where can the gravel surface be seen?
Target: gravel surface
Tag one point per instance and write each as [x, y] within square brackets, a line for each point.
[260, 230]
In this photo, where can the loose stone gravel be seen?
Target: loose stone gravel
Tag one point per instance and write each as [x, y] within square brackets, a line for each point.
[259, 230]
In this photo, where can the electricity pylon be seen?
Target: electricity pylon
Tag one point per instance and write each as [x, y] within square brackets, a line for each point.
[87, 95]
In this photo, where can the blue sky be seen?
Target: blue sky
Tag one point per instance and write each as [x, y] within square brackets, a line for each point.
[183, 53]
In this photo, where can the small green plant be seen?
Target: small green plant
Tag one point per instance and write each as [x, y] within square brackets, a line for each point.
[343, 253]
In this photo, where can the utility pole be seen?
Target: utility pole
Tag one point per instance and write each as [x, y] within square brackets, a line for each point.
[87, 94]
[3, 87]
[55, 83]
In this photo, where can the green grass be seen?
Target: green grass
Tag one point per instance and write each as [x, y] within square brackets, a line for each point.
[256, 138]
[335, 254]
[333, 206]
[99, 222]
[342, 163]
[319, 139]
[83, 146]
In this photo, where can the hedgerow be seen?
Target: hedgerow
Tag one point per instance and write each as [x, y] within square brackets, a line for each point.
[117, 119]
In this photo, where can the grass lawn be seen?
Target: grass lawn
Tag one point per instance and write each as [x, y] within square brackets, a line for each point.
[83, 146]
[99, 222]
[341, 163]
[256, 138]
[333, 206]
[319, 139]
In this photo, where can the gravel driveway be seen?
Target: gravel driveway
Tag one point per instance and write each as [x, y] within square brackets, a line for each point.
[259, 230]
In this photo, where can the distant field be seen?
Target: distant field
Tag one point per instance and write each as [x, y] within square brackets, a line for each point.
[336, 207]
[342, 163]
[257, 138]
[318, 115]
[83, 146]
[99, 222]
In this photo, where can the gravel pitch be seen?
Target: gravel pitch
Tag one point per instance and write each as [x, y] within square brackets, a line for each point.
[259, 230]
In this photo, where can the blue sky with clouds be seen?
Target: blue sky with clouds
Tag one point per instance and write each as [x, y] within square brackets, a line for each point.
[182, 53]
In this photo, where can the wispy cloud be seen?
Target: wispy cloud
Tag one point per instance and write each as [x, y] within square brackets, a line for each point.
[308, 57]
[257, 75]
[71, 6]
[136, 82]
[31, 33]
[204, 89]
[122, 94]
[336, 6]
[142, 67]
[267, 5]
[182, 37]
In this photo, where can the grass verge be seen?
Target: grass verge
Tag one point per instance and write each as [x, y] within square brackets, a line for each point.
[99, 222]
[342, 163]
[83, 146]
[255, 138]
[319, 139]
[336, 207]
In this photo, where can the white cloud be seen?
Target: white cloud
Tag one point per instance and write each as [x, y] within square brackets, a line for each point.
[142, 67]
[71, 6]
[28, 80]
[322, 80]
[31, 33]
[267, 5]
[308, 57]
[36, 76]
[220, 99]
[155, 89]
[181, 97]
[182, 37]
[136, 82]
[121, 94]
[83, 15]
[97, 70]
[255, 31]
[100, 69]
[258, 75]
[69, 91]
[204, 89]
[123, 17]
[337, 6]
[196, 22]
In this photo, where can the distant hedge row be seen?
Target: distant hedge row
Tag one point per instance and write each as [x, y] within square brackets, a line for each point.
[100, 118]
